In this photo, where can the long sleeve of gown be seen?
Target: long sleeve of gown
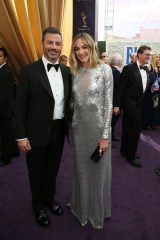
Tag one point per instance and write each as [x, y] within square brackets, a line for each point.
[108, 100]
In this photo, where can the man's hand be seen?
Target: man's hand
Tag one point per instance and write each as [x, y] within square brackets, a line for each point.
[24, 145]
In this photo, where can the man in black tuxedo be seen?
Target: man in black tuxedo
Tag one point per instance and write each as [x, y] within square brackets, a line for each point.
[115, 61]
[7, 88]
[41, 114]
[133, 85]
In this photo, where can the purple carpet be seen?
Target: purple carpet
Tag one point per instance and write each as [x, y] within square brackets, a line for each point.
[135, 199]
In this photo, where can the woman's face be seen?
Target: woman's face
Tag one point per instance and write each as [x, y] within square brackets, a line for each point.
[82, 52]
[157, 59]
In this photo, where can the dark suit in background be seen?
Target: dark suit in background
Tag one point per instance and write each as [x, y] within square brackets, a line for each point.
[132, 97]
[116, 79]
[7, 87]
[129, 97]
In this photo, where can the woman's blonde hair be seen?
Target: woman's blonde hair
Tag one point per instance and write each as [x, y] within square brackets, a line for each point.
[153, 61]
[74, 62]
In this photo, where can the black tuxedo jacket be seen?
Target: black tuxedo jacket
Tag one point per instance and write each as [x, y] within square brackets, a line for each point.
[35, 103]
[129, 94]
[7, 87]
[116, 79]
[116, 76]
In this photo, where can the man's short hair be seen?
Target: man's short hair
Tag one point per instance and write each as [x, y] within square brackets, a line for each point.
[50, 30]
[142, 48]
[4, 52]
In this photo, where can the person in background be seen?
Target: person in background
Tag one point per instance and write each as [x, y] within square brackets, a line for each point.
[151, 106]
[42, 120]
[133, 57]
[7, 91]
[103, 57]
[133, 85]
[63, 59]
[91, 125]
[115, 61]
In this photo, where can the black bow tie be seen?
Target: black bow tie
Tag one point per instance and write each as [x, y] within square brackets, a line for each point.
[143, 67]
[56, 66]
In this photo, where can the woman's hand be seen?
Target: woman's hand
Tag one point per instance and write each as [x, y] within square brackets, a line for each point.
[154, 89]
[103, 145]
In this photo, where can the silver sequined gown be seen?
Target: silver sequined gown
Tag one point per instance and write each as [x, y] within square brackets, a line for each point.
[92, 104]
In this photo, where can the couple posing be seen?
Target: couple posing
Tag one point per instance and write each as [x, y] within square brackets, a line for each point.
[42, 121]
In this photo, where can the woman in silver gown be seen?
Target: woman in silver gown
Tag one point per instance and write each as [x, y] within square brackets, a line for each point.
[92, 107]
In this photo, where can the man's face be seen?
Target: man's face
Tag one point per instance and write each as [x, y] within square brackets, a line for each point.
[52, 46]
[144, 57]
[104, 57]
[3, 59]
[64, 61]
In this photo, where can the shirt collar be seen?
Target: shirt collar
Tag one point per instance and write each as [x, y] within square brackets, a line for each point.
[139, 64]
[117, 67]
[3, 64]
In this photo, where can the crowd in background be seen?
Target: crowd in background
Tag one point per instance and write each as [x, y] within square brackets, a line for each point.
[151, 107]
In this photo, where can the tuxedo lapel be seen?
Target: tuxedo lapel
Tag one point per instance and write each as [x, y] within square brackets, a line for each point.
[4, 68]
[137, 76]
[42, 76]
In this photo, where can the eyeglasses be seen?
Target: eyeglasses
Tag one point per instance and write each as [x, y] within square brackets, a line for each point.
[103, 56]
[147, 55]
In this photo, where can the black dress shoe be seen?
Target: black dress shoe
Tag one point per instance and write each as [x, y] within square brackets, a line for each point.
[55, 208]
[157, 171]
[42, 218]
[135, 157]
[4, 163]
[135, 162]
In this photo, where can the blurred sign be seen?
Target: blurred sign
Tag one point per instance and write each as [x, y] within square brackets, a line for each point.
[128, 51]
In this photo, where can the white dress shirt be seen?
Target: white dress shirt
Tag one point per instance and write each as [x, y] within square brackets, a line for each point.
[56, 83]
[143, 75]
